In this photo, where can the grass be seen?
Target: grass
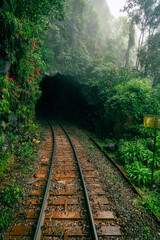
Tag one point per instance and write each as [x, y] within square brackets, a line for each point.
[5, 216]
[152, 197]
[8, 197]
[91, 147]
[10, 191]
[152, 200]
[27, 150]
[5, 163]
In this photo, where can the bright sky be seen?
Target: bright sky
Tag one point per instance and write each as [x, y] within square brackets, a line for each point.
[115, 6]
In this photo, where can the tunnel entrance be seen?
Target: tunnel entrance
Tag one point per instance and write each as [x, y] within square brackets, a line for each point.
[62, 97]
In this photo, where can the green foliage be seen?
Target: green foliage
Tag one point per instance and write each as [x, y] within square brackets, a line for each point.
[137, 159]
[147, 233]
[140, 131]
[157, 181]
[5, 216]
[145, 14]
[4, 163]
[152, 202]
[149, 57]
[10, 194]
[85, 37]
[8, 197]
[1, 142]
[118, 96]
[140, 174]
[91, 147]
[69, 41]
[22, 22]
[132, 100]
[22, 43]
[27, 150]
[152, 199]
[134, 150]
[103, 76]
[116, 45]
[7, 96]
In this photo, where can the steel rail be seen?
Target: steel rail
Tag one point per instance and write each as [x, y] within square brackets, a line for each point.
[89, 211]
[38, 232]
[124, 175]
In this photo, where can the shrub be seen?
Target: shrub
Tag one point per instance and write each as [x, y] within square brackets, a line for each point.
[27, 150]
[137, 160]
[4, 163]
[138, 130]
[127, 103]
[5, 215]
[152, 201]
[10, 194]
[8, 197]
[130, 151]
[140, 174]
[157, 181]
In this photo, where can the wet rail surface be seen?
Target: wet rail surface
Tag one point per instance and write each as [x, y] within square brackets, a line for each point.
[66, 212]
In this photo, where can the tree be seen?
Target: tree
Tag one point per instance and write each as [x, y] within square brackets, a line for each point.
[22, 25]
[149, 58]
[131, 41]
[74, 40]
[116, 45]
[145, 13]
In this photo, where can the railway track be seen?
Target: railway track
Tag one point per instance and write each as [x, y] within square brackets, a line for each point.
[68, 201]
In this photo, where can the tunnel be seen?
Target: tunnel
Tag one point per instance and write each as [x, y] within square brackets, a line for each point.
[65, 98]
[62, 97]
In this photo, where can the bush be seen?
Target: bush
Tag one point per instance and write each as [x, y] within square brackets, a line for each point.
[10, 194]
[140, 174]
[138, 130]
[5, 215]
[152, 200]
[126, 104]
[4, 163]
[130, 151]
[8, 197]
[137, 160]
[157, 182]
[27, 150]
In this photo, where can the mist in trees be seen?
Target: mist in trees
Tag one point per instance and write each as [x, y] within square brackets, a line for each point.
[146, 16]
[102, 52]
[89, 27]
[90, 36]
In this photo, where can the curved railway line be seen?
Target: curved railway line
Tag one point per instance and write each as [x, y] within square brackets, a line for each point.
[68, 201]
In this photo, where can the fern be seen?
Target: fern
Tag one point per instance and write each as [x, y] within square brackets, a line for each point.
[140, 174]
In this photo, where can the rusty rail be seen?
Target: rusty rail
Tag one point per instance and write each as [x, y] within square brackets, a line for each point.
[57, 205]
[38, 231]
[90, 215]
[124, 175]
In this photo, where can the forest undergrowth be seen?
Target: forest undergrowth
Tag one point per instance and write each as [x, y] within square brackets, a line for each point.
[134, 153]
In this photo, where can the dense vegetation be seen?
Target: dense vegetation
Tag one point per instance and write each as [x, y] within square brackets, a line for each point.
[21, 45]
[118, 73]
[21, 66]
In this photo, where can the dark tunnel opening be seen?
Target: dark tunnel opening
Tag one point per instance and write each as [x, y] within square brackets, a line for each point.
[62, 97]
